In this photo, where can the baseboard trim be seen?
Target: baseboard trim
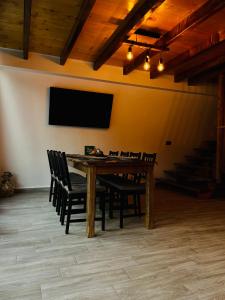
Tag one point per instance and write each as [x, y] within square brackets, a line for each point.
[32, 190]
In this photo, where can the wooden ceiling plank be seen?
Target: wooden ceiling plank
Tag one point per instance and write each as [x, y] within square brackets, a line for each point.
[84, 13]
[207, 76]
[26, 27]
[197, 17]
[213, 55]
[120, 34]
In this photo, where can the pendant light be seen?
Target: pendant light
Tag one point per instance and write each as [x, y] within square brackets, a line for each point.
[146, 65]
[130, 55]
[161, 65]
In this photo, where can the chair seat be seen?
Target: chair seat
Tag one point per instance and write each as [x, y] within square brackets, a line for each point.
[77, 178]
[81, 190]
[123, 185]
[105, 178]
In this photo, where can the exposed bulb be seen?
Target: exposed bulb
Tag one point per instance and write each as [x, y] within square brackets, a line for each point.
[160, 66]
[130, 55]
[146, 64]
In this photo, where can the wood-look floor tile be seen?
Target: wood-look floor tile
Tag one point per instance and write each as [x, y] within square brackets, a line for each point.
[82, 283]
[183, 258]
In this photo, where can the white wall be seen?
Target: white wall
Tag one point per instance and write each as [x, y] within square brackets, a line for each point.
[143, 118]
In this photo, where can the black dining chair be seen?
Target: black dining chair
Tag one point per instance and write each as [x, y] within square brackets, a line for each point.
[55, 182]
[74, 196]
[133, 185]
[52, 177]
[113, 153]
[124, 153]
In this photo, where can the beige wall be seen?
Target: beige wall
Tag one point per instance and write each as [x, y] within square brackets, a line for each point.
[145, 114]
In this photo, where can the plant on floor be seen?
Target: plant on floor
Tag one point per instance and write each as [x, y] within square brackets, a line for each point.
[7, 184]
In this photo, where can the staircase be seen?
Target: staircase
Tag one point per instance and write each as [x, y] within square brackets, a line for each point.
[195, 176]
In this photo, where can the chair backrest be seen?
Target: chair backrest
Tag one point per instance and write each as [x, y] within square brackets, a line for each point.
[124, 153]
[113, 153]
[149, 157]
[49, 154]
[60, 171]
[135, 155]
[65, 171]
[55, 164]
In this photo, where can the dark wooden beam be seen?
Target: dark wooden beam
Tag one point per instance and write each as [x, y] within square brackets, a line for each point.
[120, 34]
[84, 13]
[205, 11]
[201, 62]
[204, 77]
[26, 27]
[146, 45]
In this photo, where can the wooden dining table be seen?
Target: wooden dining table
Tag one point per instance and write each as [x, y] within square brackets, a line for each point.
[94, 166]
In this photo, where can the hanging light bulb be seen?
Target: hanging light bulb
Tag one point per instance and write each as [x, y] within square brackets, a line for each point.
[130, 55]
[160, 66]
[146, 65]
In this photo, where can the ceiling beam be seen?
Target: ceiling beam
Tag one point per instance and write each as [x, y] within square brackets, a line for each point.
[26, 27]
[202, 61]
[198, 16]
[207, 76]
[146, 45]
[181, 58]
[83, 14]
[120, 34]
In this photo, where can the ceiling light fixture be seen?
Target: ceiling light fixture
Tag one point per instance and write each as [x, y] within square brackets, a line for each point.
[161, 65]
[146, 65]
[130, 55]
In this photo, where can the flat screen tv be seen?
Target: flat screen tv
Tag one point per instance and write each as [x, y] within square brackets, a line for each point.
[79, 108]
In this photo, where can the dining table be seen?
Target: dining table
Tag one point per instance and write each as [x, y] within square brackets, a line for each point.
[98, 165]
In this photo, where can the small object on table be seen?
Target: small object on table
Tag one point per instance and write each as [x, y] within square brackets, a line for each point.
[88, 150]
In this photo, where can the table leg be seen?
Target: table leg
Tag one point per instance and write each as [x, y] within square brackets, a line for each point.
[149, 186]
[91, 194]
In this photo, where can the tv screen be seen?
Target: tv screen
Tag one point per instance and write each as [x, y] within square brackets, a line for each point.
[79, 108]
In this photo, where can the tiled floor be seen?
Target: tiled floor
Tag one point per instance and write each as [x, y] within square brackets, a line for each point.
[182, 258]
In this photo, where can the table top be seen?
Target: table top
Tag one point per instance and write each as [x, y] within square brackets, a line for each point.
[89, 160]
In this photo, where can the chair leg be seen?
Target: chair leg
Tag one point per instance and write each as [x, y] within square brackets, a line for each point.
[111, 205]
[51, 190]
[59, 201]
[68, 216]
[139, 204]
[102, 201]
[135, 205]
[63, 208]
[121, 210]
[55, 194]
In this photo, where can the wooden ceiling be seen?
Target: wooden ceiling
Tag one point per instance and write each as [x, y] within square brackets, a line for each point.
[190, 35]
